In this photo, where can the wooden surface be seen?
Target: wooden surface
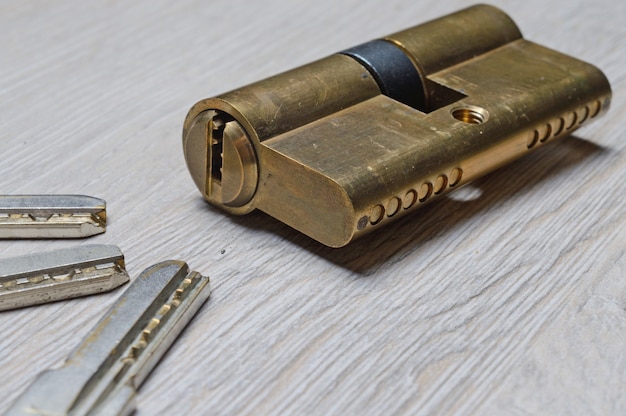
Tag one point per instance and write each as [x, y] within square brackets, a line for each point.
[508, 297]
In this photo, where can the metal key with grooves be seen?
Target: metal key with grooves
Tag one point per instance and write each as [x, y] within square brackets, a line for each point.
[51, 216]
[102, 375]
[60, 274]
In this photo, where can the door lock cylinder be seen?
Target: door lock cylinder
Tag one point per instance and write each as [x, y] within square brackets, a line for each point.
[341, 146]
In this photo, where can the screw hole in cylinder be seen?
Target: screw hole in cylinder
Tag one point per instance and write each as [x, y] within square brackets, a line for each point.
[470, 114]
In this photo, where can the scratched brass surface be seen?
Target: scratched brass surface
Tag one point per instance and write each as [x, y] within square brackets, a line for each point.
[321, 149]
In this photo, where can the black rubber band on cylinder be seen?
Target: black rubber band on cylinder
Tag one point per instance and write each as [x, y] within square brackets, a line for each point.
[394, 72]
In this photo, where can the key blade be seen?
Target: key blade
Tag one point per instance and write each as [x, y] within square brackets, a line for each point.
[101, 376]
[60, 274]
[51, 216]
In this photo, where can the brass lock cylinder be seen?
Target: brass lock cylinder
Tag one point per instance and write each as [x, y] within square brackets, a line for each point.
[343, 145]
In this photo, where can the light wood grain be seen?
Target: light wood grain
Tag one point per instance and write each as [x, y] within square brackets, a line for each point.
[508, 298]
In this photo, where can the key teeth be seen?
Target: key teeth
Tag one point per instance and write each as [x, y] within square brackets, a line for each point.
[60, 274]
[176, 299]
[100, 218]
[132, 355]
[150, 333]
[51, 216]
[165, 309]
[154, 323]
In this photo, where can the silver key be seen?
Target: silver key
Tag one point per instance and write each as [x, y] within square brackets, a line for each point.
[60, 274]
[51, 216]
[102, 375]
